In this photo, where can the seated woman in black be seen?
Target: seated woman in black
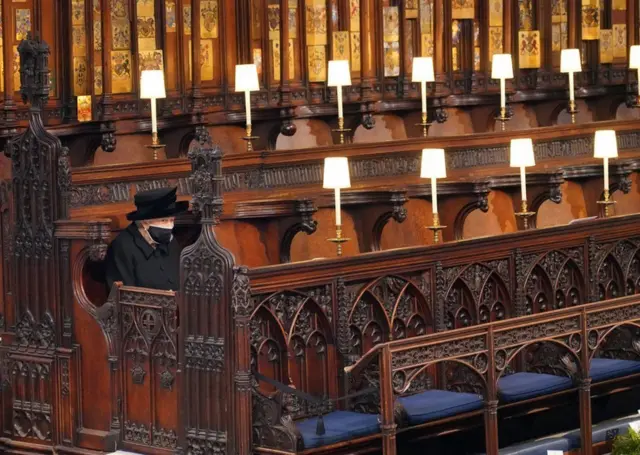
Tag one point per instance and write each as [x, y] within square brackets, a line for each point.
[146, 254]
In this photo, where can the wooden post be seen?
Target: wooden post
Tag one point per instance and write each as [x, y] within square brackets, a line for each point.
[368, 47]
[574, 23]
[388, 425]
[9, 107]
[108, 137]
[584, 390]
[491, 403]
[195, 56]
[241, 303]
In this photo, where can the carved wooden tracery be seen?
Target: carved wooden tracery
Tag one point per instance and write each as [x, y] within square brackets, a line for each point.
[389, 308]
[617, 269]
[477, 293]
[553, 280]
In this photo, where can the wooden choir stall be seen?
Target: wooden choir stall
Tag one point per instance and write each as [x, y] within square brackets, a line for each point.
[413, 226]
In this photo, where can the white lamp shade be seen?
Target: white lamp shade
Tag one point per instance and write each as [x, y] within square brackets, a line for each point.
[522, 153]
[247, 78]
[339, 73]
[634, 57]
[501, 66]
[433, 164]
[570, 61]
[336, 173]
[152, 84]
[605, 144]
[422, 70]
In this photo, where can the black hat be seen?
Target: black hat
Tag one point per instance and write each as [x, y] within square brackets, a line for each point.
[160, 203]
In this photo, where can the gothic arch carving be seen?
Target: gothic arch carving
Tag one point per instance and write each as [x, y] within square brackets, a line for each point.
[481, 203]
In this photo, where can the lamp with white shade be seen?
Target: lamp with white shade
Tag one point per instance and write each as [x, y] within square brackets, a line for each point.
[605, 146]
[336, 177]
[434, 166]
[247, 82]
[339, 76]
[502, 69]
[422, 71]
[152, 88]
[522, 156]
[634, 64]
[571, 63]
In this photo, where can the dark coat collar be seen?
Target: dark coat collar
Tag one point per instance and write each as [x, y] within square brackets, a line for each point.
[140, 242]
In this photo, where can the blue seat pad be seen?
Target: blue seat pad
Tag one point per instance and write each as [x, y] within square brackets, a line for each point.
[437, 404]
[603, 369]
[339, 426]
[522, 386]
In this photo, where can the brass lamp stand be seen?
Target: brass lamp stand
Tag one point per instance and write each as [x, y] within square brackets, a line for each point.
[249, 138]
[606, 203]
[524, 214]
[436, 228]
[338, 239]
[424, 124]
[155, 145]
[341, 129]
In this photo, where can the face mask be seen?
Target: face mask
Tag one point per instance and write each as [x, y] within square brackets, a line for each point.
[161, 235]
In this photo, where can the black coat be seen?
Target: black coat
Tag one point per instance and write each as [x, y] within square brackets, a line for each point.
[133, 261]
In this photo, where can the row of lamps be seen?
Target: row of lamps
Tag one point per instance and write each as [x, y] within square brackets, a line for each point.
[433, 166]
[152, 87]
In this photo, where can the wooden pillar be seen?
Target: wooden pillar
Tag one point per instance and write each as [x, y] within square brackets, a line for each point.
[106, 60]
[241, 303]
[9, 104]
[388, 425]
[632, 29]
[491, 401]
[243, 29]
[439, 37]
[574, 22]
[368, 46]
[285, 74]
[108, 137]
[231, 39]
[195, 56]
[509, 28]
[584, 391]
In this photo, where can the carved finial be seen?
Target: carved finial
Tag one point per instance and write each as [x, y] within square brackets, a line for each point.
[34, 72]
[206, 180]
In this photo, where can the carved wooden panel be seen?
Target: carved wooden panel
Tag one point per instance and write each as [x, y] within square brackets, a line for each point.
[149, 362]
[617, 269]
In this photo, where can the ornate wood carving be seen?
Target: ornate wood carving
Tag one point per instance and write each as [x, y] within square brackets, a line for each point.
[206, 323]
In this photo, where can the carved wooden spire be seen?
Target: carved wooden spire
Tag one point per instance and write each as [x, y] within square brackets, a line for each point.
[34, 72]
[208, 350]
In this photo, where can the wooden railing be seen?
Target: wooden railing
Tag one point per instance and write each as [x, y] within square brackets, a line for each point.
[488, 349]
[353, 304]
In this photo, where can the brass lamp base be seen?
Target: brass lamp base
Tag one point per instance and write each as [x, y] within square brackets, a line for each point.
[606, 203]
[249, 138]
[436, 228]
[425, 125]
[155, 145]
[573, 110]
[338, 239]
[341, 129]
[503, 118]
[525, 214]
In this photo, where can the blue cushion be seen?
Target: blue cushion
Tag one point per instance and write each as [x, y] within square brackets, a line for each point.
[339, 426]
[521, 386]
[603, 369]
[437, 404]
